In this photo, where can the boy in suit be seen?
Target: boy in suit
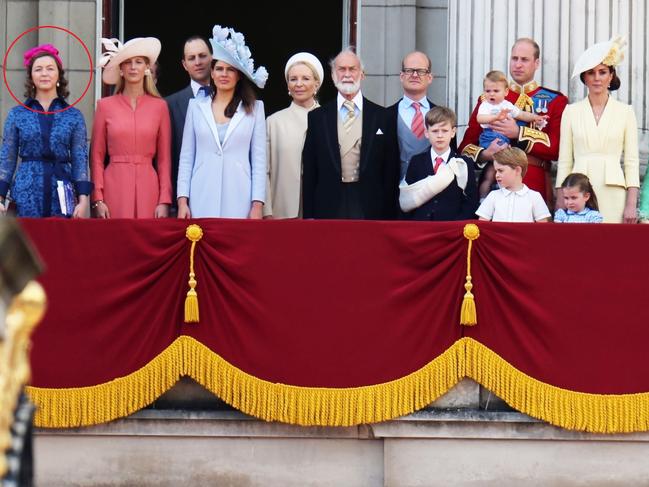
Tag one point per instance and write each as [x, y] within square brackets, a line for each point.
[440, 184]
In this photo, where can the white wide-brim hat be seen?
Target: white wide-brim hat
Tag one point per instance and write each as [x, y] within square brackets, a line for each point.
[610, 53]
[228, 46]
[306, 58]
[116, 53]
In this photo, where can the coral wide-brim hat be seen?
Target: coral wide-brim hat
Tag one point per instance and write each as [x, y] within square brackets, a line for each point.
[610, 53]
[116, 53]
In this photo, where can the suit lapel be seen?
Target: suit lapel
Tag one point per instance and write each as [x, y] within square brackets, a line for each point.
[369, 114]
[331, 134]
[183, 103]
[206, 110]
[236, 120]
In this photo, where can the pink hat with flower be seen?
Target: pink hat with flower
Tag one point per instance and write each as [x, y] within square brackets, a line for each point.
[48, 49]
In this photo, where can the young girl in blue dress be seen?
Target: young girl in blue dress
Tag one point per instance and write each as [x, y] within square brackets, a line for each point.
[580, 201]
[49, 136]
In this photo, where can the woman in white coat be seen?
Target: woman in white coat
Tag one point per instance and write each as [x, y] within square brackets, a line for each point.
[286, 131]
[222, 168]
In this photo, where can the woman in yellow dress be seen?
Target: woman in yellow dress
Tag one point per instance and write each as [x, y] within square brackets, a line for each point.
[596, 131]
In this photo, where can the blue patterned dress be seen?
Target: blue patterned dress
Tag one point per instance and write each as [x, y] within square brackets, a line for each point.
[52, 148]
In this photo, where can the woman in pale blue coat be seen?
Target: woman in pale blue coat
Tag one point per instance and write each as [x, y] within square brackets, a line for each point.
[222, 168]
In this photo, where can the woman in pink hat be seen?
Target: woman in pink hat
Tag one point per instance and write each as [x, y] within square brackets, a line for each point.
[49, 136]
[132, 127]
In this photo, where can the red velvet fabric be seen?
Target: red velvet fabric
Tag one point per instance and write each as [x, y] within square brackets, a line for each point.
[566, 304]
[343, 304]
[337, 304]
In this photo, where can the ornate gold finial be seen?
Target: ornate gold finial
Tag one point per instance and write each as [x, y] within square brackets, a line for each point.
[24, 313]
[468, 315]
[193, 233]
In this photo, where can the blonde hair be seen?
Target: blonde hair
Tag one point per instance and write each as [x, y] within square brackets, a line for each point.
[512, 157]
[148, 83]
[316, 76]
[496, 77]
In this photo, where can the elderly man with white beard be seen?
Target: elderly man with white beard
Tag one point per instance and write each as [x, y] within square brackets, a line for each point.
[350, 168]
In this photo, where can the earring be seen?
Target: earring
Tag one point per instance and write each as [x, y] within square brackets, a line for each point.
[289, 93]
[147, 72]
[58, 84]
[121, 75]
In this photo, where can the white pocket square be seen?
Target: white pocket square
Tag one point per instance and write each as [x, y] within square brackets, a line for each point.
[379, 132]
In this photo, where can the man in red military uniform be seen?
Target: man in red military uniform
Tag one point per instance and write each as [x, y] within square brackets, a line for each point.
[541, 143]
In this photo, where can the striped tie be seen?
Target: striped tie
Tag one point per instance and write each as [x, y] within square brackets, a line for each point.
[417, 125]
[351, 115]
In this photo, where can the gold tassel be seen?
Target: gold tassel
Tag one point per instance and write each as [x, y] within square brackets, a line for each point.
[468, 315]
[193, 233]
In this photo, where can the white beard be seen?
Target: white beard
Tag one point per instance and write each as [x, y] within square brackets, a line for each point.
[348, 88]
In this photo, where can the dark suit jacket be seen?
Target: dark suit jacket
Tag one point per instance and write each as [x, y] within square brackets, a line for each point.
[451, 203]
[177, 103]
[379, 173]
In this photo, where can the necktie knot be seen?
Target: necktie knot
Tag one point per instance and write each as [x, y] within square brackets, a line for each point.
[349, 105]
[204, 90]
[417, 125]
[351, 115]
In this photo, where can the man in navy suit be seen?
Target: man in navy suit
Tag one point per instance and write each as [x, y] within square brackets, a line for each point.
[440, 185]
[349, 171]
[197, 56]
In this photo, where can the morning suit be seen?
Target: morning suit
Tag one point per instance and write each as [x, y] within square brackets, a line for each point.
[376, 189]
[450, 204]
[222, 178]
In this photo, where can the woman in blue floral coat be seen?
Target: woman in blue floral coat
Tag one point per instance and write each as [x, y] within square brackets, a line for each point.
[49, 136]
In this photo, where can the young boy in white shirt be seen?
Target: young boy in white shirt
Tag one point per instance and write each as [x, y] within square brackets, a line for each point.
[514, 201]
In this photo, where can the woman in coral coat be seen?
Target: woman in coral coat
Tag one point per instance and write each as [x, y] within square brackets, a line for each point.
[133, 127]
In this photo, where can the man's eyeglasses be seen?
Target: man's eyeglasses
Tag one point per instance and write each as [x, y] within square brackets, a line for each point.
[411, 72]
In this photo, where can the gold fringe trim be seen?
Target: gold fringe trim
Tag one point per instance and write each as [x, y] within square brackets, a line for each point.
[74, 407]
[309, 406]
[595, 413]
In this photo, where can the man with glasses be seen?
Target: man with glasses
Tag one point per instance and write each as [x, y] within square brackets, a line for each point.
[348, 173]
[406, 117]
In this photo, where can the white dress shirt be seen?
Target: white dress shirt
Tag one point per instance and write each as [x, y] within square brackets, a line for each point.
[407, 111]
[342, 109]
[524, 205]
